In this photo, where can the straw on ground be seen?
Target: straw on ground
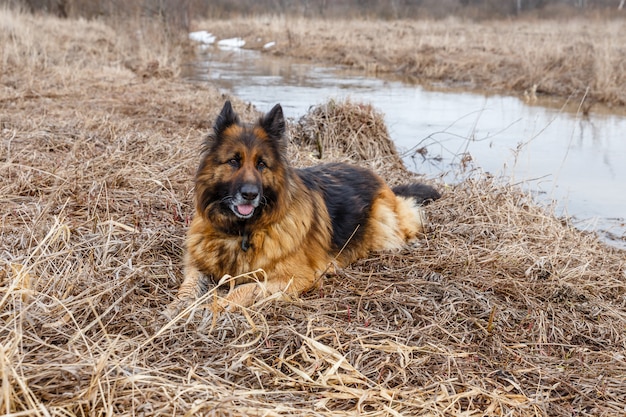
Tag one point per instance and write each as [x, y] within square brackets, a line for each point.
[502, 309]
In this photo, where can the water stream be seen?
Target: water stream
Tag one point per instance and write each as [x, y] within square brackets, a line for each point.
[577, 160]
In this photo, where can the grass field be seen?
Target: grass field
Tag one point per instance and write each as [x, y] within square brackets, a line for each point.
[501, 310]
[569, 58]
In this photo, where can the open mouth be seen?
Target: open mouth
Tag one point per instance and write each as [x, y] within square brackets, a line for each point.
[244, 210]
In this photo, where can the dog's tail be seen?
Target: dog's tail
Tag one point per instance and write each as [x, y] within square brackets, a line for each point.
[421, 193]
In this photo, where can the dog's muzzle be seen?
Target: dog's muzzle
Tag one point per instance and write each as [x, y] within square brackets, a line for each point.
[246, 201]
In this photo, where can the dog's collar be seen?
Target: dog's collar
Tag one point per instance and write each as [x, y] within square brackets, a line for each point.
[245, 241]
[239, 231]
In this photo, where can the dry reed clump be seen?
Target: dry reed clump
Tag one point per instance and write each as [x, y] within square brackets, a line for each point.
[567, 58]
[344, 129]
[501, 310]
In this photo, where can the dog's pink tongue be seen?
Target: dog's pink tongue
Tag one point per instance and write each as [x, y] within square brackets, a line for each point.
[245, 209]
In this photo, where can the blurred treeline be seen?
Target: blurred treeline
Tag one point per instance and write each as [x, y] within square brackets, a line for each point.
[180, 12]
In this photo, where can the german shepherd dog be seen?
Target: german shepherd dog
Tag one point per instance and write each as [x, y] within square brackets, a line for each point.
[254, 211]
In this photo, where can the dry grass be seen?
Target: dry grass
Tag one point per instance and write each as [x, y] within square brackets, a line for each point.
[43, 52]
[566, 58]
[502, 310]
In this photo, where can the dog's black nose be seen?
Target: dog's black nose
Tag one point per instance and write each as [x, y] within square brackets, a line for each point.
[249, 191]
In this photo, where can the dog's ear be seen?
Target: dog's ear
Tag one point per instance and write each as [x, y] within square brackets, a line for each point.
[227, 118]
[274, 122]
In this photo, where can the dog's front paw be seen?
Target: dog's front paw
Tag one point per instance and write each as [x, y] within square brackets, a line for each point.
[174, 308]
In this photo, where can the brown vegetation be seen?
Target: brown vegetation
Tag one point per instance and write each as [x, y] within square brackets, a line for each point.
[502, 310]
[566, 58]
[178, 11]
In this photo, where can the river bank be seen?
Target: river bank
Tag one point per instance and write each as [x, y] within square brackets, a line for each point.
[501, 309]
[572, 59]
[448, 134]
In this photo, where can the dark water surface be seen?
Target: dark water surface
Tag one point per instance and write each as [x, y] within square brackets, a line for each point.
[551, 149]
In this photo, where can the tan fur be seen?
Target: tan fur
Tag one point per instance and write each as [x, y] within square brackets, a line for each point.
[293, 251]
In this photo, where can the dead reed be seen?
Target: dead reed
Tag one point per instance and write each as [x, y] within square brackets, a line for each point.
[502, 309]
[348, 130]
[564, 58]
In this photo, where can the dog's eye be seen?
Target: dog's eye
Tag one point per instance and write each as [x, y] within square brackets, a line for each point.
[261, 165]
[234, 162]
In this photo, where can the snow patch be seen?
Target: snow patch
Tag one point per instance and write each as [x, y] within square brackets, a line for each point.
[202, 36]
[231, 44]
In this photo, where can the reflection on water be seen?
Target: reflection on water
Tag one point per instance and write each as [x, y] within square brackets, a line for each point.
[580, 162]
